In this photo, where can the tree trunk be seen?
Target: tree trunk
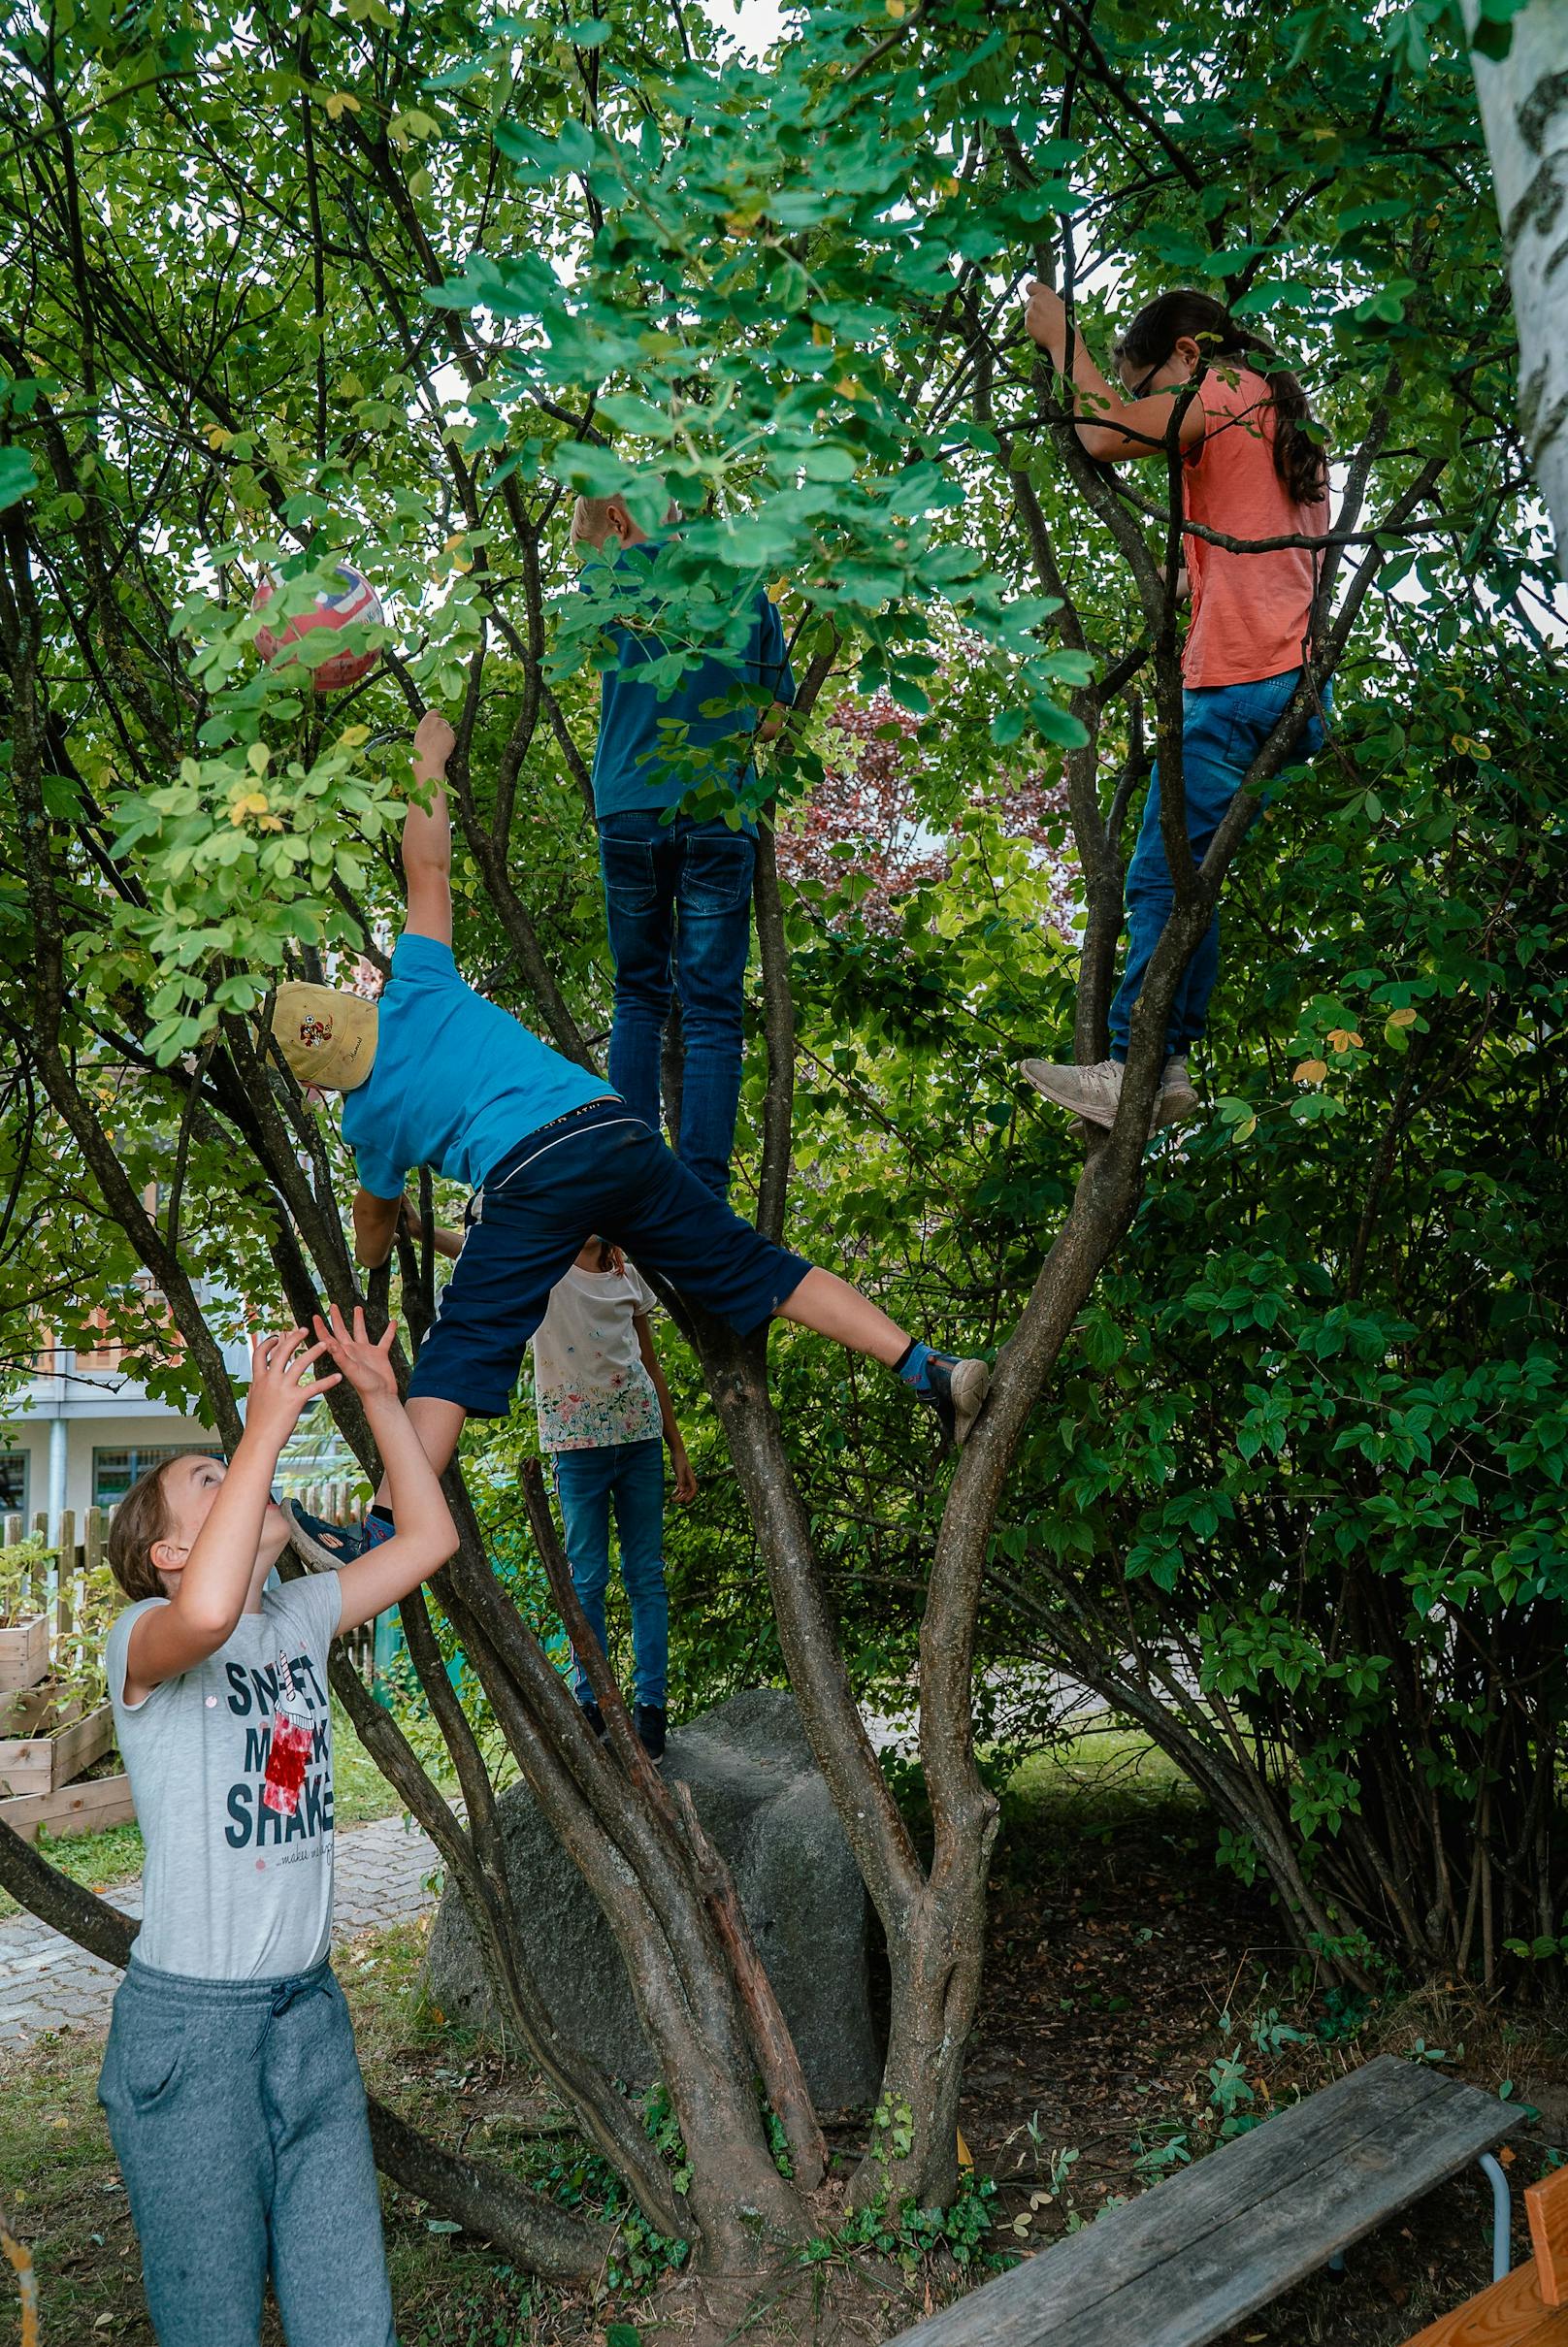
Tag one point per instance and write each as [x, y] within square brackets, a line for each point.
[1524, 102]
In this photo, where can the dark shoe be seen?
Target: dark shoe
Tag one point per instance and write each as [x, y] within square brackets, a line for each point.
[595, 1718]
[650, 1720]
[329, 1545]
[955, 1389]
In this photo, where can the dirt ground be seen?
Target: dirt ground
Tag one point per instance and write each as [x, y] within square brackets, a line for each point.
[1136, 1999]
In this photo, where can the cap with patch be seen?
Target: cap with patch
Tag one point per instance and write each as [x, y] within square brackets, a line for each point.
[328, 1038]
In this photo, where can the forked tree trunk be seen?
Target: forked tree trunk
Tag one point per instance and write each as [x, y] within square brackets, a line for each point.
[1523, 100]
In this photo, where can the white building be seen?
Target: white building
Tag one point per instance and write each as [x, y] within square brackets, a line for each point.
[82, 1431]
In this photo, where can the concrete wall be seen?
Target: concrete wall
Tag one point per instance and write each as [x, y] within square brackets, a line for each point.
[64, 1422]
[140, 1430]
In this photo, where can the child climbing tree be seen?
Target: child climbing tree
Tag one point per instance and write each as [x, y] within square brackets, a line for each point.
[392, 293]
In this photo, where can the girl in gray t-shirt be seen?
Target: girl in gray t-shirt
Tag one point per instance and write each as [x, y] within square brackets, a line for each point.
[230, 2071]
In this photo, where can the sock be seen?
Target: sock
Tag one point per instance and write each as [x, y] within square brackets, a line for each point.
[379, 1524]
[912, 1368]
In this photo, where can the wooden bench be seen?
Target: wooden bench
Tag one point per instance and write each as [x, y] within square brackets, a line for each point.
[1204, 2248]
[1529, 2306]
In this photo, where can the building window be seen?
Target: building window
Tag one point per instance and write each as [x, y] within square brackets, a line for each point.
[12, 1483]
[113, 1472]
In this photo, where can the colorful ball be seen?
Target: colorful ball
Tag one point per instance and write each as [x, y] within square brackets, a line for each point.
[353, 601]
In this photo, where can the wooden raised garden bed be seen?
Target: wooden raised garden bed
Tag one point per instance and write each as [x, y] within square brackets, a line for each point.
[47, 1737]
[55, 1726]
[24, 1653]
[84, 1807]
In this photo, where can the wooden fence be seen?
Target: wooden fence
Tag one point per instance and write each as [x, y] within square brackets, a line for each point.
[57, 1584]
[58, 1587]
[57, 1729]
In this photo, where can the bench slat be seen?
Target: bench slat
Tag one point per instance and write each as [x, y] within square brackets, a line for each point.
[1179, 2265]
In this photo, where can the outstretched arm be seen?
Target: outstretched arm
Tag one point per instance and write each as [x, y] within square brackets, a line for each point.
[426, 1535]
[685, 1479]
[1111, 426]
[427, 840]
[211, 1578]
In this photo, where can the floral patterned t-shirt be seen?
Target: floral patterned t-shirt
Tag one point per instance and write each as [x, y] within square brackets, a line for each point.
[590, 1385]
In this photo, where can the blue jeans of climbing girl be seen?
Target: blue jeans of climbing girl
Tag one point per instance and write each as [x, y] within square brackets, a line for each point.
[631, 1477]
[1223, 727]
[238, 2118]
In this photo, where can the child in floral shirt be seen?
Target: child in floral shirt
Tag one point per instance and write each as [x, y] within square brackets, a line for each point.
[605, 1416]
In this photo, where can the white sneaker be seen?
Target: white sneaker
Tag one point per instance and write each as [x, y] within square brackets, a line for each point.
[1176, 1102]
[1094, 1093]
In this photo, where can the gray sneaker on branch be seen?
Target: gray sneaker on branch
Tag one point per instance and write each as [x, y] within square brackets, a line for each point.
[1176, 1102]
[1094, 1092]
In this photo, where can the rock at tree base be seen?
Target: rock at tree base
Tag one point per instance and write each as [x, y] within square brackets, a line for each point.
[764, 1804]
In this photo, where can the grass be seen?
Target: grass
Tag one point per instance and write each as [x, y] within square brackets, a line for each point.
[1120, 1967]
[62, 2191]
[1096, 1780]
[101, 1861]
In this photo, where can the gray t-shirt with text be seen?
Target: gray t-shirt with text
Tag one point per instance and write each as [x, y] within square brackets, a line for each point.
[233, 1890]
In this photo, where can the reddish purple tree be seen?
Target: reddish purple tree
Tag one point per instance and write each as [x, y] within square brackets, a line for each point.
[864, 821]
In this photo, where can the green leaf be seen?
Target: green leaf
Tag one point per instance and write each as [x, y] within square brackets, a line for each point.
[1058, 725]
[1288, 293]
[18, 477]
[829, 461]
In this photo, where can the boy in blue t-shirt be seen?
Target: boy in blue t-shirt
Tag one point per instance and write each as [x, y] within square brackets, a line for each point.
[434, 1075]
[677, 891]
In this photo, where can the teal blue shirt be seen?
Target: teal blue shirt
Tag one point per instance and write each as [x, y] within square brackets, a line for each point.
[456, 1082]
[631, 768]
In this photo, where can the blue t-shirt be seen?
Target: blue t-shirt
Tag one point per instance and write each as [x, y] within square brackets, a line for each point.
[456, 1082]
[630, 771]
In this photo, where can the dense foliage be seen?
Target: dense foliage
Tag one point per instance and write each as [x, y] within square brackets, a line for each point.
[356, 284]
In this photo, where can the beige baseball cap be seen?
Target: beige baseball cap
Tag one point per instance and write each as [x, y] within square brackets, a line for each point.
[328, 1038]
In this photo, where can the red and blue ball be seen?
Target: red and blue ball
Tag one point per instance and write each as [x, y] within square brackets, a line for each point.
[351, 601]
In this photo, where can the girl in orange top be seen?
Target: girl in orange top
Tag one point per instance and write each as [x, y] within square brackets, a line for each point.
[1252, 467]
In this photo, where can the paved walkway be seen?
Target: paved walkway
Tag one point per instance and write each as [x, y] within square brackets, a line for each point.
[48, 1982]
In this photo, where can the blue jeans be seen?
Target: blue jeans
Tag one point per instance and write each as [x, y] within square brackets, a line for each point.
[631, 1475]
[238, 2118]
[1223, 727]
[677, 899]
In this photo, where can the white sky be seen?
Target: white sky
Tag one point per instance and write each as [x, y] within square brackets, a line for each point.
[754, 23]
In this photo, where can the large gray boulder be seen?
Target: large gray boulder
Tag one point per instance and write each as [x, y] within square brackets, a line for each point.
[764, 1804]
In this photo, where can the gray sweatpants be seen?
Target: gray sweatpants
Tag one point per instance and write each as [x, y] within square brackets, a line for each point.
[237, 2113]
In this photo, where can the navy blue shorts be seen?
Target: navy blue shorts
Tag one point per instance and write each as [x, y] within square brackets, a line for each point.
[600, 1173]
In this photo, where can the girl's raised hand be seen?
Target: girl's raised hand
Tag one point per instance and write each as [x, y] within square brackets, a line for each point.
[278, 1387]
[434, 742]
[368, 1367]
[1046, 316]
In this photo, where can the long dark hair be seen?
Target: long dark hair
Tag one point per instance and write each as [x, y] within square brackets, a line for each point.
[1156, 331]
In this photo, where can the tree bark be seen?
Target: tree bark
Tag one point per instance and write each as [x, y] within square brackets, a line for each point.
[1523, 100]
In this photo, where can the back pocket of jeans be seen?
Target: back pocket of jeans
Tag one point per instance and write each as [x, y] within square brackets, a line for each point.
[628, 879]
[716, 873]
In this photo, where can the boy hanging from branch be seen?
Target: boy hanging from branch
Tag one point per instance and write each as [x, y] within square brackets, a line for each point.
[434, 1075]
